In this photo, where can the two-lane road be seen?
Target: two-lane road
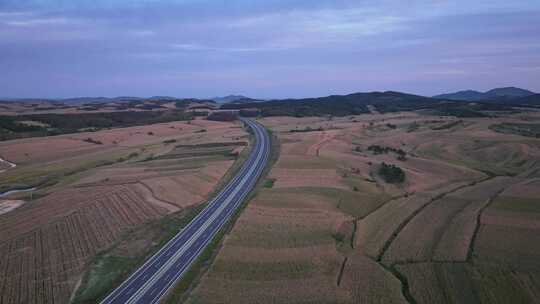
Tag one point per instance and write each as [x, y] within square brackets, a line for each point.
[161, 271]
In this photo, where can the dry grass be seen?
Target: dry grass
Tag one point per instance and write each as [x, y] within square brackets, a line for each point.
[444, 229]
[325, 184]
[48, 243]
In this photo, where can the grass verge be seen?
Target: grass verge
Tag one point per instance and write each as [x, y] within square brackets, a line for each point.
[111, 267]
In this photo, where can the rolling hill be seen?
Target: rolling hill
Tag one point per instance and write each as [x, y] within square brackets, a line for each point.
[498, 94]
[234, 99]
[357, 103]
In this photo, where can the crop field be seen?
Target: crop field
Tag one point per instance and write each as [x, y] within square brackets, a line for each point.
[92, 200]
[461, 228]
[43, 257]
[514, 216]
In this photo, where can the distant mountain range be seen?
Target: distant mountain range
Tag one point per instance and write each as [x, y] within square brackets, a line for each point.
[339, 105]
[390, 101]
[356, 103]
[499, 94]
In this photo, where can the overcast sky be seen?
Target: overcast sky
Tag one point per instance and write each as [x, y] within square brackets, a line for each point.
[265, 49]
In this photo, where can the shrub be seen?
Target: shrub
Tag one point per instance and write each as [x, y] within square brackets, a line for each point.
[269, 183]
[92, 141]
[391, 174]
[384, 150]
[307, 129]
[339, 237]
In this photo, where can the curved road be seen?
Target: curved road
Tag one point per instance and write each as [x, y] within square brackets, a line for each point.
[159, 273]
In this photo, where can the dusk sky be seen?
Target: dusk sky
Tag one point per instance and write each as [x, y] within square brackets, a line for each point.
[265, 49]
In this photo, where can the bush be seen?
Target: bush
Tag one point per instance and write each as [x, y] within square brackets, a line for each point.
[376, 149]
[391, 174]
[338, 237]
[93, 141]
[307, 129]
[269, 183]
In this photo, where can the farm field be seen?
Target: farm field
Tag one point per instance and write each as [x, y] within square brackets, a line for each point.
[326, 227]
[103, 203]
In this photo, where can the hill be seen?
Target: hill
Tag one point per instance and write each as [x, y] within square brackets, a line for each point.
[359, 103]
[533, 100]
[498, 94]
[467, 95]
[234, 99]
[509, 92]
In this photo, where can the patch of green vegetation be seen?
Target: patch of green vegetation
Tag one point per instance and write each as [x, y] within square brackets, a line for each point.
[307, 129]
[181, 104]
[376, 149]
[179, 153]
[523, 129]
[359, 103]
[55, 124]
[133, 155]
[338, 237]
[391, 174]
[111, 267]
[213, 145]
[104, 273]
[448, 125]
[42, 176]
[92, 141]
[269, 182]
[463, 111]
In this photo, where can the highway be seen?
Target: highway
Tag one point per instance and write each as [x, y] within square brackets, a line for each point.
[151, 281]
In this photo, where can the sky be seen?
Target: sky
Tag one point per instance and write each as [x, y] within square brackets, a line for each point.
[265, 49]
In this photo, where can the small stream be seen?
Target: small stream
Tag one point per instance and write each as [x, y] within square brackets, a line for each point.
[11, 165]
[10, 192]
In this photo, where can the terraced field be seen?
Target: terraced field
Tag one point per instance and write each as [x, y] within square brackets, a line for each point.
[461, 228]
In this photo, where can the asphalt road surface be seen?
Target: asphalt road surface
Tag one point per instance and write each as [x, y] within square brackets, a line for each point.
[151, 282]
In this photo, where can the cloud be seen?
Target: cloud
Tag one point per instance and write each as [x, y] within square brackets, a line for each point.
[33, 19]
[194, 47]
[294, 47]
[41, 22]
[142, 33]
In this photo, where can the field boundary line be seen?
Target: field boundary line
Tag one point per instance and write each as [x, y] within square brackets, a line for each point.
[417, 211]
